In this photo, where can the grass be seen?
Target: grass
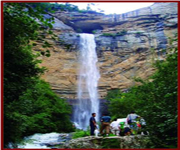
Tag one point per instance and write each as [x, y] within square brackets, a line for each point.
[121, 33]
[80, 133]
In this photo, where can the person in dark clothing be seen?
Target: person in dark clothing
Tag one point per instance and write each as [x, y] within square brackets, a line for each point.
[124, 130]
[92, 122]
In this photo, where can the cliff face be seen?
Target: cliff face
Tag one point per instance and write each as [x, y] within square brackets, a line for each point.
[127, 45]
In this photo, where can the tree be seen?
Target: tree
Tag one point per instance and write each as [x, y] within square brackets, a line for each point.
[26, 97]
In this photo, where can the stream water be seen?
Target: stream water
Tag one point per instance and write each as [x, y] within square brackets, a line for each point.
[89, 75]
[48, 140]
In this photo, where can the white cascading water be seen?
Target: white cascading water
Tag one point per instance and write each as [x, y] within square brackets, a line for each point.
[39, 140]
[88, 101]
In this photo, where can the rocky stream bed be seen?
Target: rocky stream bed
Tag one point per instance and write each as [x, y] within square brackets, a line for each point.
[64, 140]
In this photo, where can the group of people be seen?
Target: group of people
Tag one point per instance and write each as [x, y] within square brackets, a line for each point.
[133, 124]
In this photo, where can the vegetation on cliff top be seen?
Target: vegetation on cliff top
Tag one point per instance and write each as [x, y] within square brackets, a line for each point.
[53, 7]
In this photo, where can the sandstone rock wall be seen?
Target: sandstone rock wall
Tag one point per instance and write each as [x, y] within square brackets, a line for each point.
[126, 47]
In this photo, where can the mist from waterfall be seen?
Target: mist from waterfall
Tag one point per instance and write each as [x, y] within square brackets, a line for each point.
[87, 93]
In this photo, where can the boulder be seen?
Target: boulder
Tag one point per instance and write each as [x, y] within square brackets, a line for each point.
[121, 142]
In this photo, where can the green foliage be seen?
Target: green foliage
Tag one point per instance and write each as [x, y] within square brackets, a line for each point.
[110, 143]
[122, 104]
[30, 106]
[109, 34]
[68, 47]
[80, 133]
[156, 101]
[121, 33]
[86, 11]
[20, 64]
[138, 34]
[115, 93]
[79, 31]
[45, 111]
[52, 7]
[38, 110]
[82, 11]
[94, 31]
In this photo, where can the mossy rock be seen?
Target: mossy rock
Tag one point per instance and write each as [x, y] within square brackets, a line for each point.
[110, 143]
[96, 141]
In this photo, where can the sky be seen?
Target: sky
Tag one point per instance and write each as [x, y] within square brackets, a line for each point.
[117, 7]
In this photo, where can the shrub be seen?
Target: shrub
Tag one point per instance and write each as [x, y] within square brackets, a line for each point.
[81, 133]
[123, 32]
[94, 31]
[79, 31]
[108, 34]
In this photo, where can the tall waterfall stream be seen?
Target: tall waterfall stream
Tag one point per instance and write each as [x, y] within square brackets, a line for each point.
[88, 102]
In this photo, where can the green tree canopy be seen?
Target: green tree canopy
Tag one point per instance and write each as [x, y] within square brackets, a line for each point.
[30, 106]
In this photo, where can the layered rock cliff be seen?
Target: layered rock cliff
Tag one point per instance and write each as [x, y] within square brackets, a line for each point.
[126, 44]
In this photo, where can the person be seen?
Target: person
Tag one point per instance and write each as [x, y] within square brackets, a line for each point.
[114, 126]
[105, 124]
[92, 121]
[121, 128]
[131, 119]
[124, 130]
[127, 131]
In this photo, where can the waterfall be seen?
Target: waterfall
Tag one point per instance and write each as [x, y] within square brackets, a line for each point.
[87, 93]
